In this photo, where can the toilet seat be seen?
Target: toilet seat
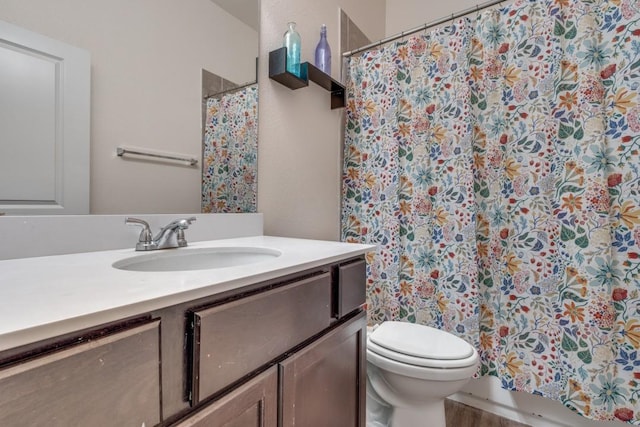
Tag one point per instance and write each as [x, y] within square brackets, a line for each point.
[421, 346]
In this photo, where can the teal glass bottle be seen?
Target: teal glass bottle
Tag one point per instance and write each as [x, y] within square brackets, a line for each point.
[292, 42]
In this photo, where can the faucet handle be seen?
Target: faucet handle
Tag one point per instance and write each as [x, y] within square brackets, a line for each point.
[145, 241]
[176, 224]
[186, 222]
[183, 224]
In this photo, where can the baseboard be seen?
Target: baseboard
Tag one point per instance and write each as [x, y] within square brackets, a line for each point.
[486, 394]
[513, 414]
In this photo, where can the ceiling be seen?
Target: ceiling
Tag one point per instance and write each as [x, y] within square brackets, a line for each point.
[247, 11]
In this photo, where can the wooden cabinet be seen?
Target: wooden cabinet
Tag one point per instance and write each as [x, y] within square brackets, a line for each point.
[321, 384]
[112, 381]
[321, 361]
[253, 404]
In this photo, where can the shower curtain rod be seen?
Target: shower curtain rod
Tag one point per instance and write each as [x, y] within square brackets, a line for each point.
[424, 27]
[233, 89]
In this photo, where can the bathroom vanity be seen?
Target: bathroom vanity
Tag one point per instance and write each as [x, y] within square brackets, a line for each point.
[272, 343]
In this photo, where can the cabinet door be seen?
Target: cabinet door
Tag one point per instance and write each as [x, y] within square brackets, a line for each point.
[112, 381]
[253, 404]
[324, 384]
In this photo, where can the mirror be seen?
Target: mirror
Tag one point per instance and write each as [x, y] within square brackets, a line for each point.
[148, 58]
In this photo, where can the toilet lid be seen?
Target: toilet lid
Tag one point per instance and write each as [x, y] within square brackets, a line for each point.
[420, 341]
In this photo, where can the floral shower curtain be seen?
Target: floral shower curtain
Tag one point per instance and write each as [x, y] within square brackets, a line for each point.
[231, 152]
[496, 163]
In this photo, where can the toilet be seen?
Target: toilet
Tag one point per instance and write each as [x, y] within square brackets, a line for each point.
[411, 369]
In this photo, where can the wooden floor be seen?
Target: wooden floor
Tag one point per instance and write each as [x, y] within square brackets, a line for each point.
[460, 415]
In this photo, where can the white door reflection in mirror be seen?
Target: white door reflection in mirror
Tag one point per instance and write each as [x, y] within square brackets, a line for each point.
[44, 124]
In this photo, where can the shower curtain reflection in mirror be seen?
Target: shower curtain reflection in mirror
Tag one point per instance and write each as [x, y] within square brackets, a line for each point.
[230, 152]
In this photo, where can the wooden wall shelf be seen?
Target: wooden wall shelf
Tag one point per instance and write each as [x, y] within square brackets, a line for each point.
[278, 72]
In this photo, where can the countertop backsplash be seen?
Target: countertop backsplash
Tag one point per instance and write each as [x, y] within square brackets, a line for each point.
[32, 236]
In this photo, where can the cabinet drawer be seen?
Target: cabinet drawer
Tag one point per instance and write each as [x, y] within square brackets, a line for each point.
[232, 340]
[349, 291]
[112, 381]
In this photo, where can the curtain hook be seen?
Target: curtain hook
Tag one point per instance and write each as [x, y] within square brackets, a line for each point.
[402, 36]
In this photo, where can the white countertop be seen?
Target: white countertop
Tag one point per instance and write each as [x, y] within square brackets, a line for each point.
[48, 296]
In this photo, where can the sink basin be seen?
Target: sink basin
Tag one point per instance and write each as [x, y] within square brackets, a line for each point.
[196, 259]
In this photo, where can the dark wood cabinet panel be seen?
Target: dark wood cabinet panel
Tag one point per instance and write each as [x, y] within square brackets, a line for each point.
[323, 385]
[234, 339]
[253, 404]
[112, 381]
[349, 291]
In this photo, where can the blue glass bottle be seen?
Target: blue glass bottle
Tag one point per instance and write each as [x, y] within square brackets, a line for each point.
[323, 52]
[292, 42]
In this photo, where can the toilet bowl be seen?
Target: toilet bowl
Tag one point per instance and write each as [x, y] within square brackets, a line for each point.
[413, 368]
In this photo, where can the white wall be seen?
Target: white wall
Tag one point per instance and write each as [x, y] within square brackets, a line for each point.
[299, 169]
[147, 60]
[402, 15]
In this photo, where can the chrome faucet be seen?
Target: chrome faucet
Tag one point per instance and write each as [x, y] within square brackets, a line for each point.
[169, 236]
